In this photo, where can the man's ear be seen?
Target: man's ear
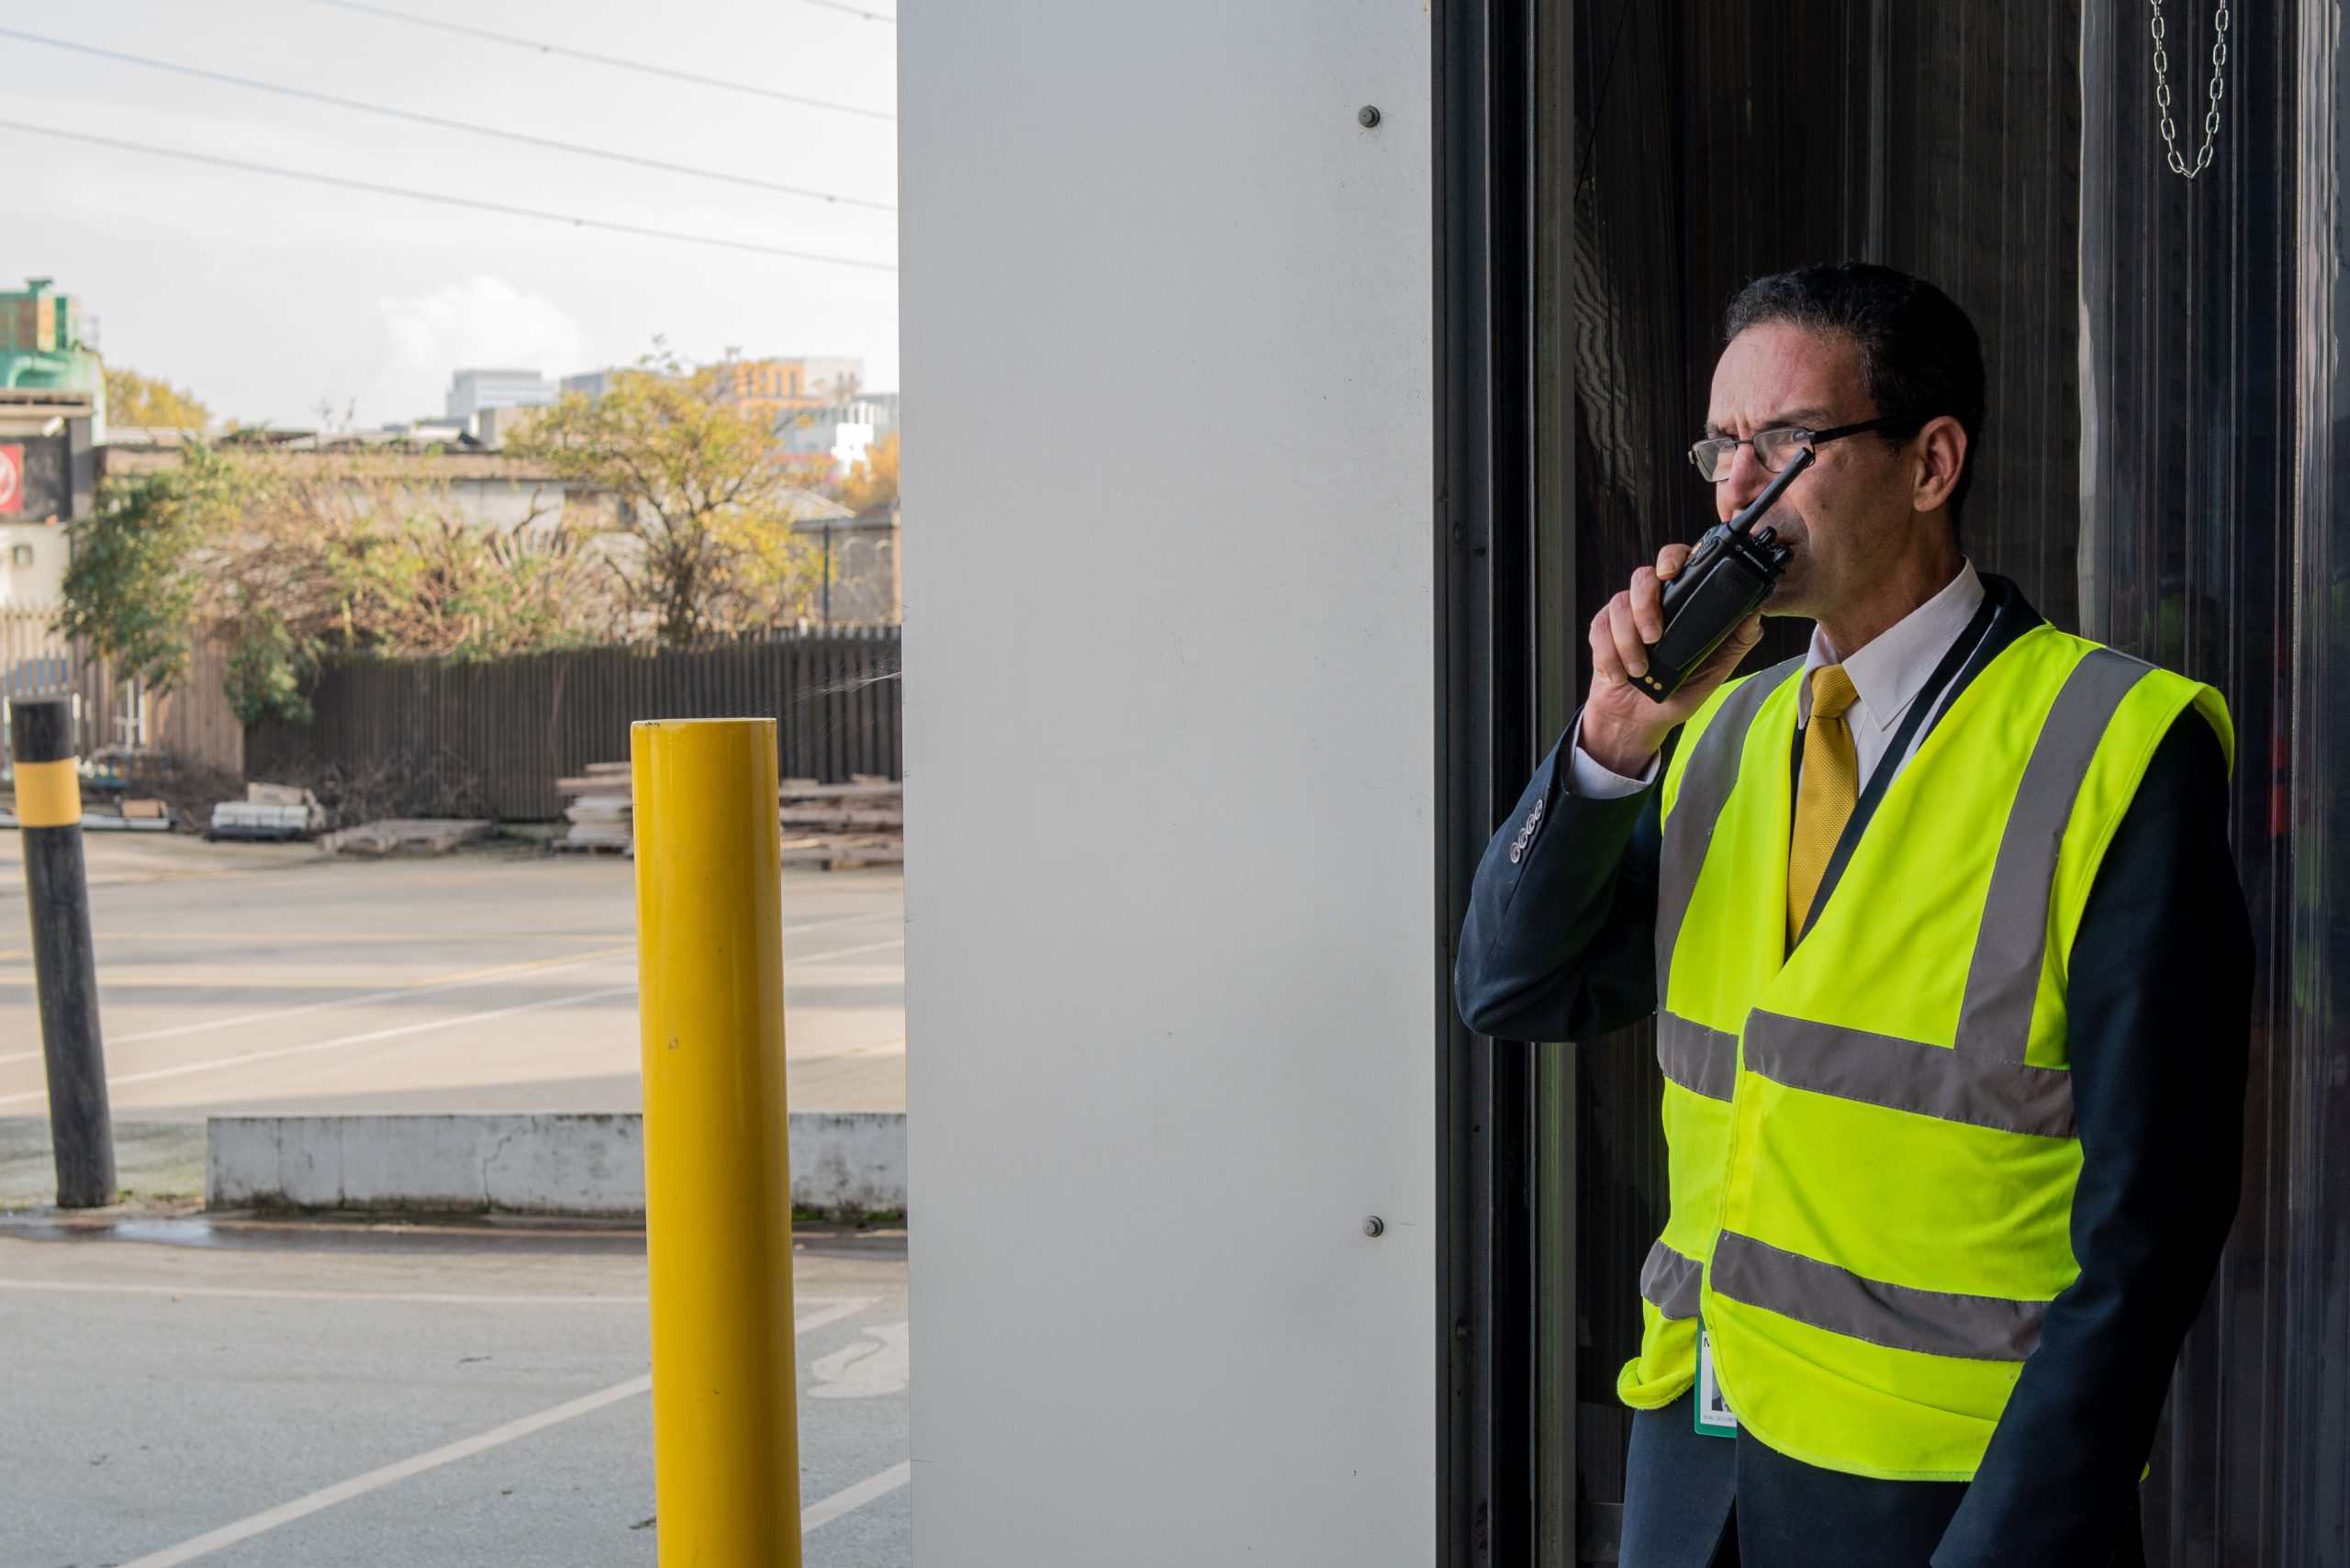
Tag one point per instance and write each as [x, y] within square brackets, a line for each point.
[1941, 448]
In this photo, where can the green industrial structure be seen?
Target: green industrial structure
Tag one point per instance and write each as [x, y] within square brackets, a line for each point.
[42, 348]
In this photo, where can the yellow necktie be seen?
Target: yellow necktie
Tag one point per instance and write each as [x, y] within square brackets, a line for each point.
[1831, 778]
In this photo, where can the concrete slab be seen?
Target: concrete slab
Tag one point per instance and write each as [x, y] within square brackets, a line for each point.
[850, 1163]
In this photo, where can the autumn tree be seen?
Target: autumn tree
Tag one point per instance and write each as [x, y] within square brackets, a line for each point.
[873, 481]
[135, 581]
[135, 400]
[706, 504]
[284, 558]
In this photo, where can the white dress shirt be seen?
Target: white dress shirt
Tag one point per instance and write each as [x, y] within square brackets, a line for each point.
[1888, 675]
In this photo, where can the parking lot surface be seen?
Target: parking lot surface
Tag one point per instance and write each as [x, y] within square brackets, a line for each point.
[265, 978]
[281, 1395]
[287, 1393]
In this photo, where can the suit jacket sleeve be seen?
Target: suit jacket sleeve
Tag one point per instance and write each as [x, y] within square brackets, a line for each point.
[1559, 940]
[2159, 1001]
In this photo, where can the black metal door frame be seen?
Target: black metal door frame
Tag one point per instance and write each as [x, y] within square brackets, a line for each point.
[1488, 607]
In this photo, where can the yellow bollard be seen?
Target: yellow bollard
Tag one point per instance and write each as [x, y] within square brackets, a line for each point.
[717, 1170]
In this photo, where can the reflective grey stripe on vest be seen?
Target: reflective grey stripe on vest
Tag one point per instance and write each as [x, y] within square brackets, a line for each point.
[1909, 1075]
[1706, 780]
[2003, 978]
[1983, 1079]
[1901, 1318]
[1702, 1060]
[1669, 1281]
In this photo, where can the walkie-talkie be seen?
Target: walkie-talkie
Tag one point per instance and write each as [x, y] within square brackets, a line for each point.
[1726, 577]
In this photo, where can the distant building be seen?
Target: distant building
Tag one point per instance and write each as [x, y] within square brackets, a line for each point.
[474, 390]
[766, 387]
[839, 430]
[43, 347]
[590, 384]
[431, 429]
[492, 427]
[487, 487]
[52, 416]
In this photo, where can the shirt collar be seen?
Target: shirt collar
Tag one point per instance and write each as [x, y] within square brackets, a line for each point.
[1888, 672]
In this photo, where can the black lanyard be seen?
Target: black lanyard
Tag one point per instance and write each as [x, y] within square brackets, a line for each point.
[1975, 638]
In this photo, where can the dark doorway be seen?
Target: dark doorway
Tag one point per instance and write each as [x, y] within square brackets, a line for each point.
[2160, 470]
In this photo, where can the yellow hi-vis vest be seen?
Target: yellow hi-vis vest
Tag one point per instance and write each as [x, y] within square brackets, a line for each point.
[1872, 1150]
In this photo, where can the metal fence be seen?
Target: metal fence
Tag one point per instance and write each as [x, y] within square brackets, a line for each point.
[509, 728]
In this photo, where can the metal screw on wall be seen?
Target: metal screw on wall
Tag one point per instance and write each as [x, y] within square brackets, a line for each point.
[1374, 1225]
[1367, 115]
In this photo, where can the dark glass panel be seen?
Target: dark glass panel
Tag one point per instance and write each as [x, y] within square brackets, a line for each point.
[1719, 140]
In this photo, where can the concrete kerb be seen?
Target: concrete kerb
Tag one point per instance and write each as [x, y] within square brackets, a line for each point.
[845, 1164]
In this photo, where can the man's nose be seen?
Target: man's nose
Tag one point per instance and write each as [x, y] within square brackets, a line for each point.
[1747, 478]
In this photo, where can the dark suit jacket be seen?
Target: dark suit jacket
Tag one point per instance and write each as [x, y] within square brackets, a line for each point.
[1559, 946]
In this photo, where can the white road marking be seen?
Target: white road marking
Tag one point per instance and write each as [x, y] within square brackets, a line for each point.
[457, 983]
[882, 1364]
[842, 1502]
[359, 1485]
[462, 983]
[847, 1306]
[834, 1307]
[844, 919]
[445, 938]
[790, 963]
[182, 1071]
[435, 1298]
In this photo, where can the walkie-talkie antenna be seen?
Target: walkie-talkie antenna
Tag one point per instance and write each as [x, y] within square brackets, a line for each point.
[1724, 580]
[1746, 520]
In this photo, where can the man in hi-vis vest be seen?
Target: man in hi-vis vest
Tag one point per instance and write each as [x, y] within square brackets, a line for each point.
[1951, 973]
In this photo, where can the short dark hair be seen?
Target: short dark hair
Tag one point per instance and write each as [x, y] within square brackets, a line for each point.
[1920, 351]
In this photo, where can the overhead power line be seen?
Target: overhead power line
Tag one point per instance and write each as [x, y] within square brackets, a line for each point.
[497, 207]
[462, 31]
[389, 113]
[852, 10]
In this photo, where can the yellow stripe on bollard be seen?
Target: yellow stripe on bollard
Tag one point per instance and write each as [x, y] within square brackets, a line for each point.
[49, 794]
[717, 1168]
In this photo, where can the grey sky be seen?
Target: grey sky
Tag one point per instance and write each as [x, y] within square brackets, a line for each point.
[269, 297]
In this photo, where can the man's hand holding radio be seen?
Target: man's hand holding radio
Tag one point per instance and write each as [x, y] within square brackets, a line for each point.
[1623, 729]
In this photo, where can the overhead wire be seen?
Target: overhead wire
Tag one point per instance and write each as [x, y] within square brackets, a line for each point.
[388, 112]
[344, 183]
[463, 30]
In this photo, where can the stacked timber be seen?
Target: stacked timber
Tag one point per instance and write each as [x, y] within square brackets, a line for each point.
[601, 815]
[843, 827]
[837, 827]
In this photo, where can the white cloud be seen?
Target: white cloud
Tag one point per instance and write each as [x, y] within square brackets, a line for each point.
[481, 321]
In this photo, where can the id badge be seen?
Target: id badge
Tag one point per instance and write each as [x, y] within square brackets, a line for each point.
[1714, 1416]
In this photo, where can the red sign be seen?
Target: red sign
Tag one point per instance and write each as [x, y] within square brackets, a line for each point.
[12, 480]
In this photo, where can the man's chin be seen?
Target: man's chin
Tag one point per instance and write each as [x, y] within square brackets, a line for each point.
[1789, 596]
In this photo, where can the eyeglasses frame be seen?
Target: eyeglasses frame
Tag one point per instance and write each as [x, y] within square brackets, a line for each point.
[1811, 438]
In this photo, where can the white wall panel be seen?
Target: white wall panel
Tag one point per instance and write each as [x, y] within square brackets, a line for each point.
[1170, 847]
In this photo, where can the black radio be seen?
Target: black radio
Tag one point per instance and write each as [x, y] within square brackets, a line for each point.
[1725, 580]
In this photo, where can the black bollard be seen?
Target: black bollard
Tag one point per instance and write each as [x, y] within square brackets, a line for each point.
[49, 811]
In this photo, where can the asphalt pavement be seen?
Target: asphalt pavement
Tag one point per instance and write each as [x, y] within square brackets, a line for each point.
[270, 979]
[277, 1394]
[285, 1393]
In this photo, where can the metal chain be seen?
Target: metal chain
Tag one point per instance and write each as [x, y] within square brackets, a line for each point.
[2161, 92]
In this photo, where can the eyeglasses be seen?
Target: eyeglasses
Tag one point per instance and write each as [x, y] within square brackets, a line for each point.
[1774, 449]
